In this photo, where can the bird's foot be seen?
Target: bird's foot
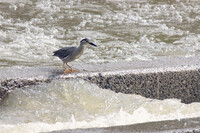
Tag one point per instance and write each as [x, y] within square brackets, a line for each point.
[71, 71]
[76, 70]
[67, 71]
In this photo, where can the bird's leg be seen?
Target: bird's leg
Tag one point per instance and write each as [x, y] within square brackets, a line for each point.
[64, 66]
[69, 66]
[66, 70]
[71, 69]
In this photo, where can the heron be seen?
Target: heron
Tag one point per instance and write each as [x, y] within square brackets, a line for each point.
[68, 54]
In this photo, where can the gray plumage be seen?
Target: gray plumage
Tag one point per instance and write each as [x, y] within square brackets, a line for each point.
[65, 53]
[68, 54]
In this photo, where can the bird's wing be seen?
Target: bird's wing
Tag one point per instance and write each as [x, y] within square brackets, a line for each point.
[64, 52]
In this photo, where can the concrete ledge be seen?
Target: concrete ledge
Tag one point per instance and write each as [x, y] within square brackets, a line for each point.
[171, 126]
[184, 85]
[160, 79]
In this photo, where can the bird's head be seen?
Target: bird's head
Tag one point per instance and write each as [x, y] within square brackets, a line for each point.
[87, 41]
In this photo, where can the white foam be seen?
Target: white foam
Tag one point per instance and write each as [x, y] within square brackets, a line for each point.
[79, 104]
[119, 118]
[123, 30]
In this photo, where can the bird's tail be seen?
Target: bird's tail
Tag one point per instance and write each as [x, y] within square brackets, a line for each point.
[55, 53]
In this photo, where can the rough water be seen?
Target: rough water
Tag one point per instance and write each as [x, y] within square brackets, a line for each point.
[30, 30]
[69, 104]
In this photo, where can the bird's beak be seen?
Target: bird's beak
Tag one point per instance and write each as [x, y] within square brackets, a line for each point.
[92, 44]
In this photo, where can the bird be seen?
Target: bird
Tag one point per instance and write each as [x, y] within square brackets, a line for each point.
[69, 54]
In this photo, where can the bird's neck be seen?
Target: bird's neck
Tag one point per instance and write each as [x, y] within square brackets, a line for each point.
[81, 48]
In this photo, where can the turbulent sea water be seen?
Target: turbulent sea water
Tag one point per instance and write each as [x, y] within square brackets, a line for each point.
[124, 30]
[30, 30]
[79, 104]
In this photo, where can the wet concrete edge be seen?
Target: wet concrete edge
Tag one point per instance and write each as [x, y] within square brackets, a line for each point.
[170, 126]
[159, 79]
